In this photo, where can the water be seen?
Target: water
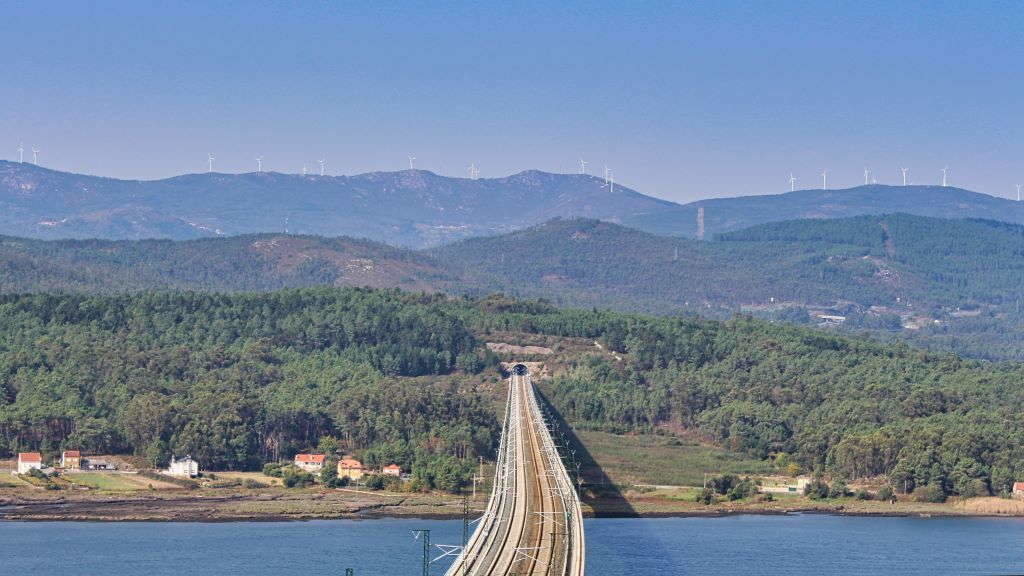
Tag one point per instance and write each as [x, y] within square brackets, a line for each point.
[749, 545]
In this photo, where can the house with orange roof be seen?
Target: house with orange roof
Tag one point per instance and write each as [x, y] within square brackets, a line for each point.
[1018, 490]
[310, 462]
[28, 461]
[350, 468]
[392, 470]
[71, 459]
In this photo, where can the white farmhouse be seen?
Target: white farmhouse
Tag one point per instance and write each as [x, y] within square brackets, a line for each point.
[29, 460]
[186, 467]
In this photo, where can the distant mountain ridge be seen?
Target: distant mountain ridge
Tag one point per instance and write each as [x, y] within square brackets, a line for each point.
[408, 208]
[417, 208]
[729, 214]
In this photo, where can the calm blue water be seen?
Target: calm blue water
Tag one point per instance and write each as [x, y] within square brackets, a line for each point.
[820, 545]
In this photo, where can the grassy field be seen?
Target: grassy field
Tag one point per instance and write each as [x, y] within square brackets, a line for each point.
[9, 481]
[663, 460]
[115, 482]
[257, 476]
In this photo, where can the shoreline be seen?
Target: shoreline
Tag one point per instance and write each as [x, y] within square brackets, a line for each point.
[285, 506]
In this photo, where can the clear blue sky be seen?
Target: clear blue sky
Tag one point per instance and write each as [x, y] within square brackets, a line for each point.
[683, 102]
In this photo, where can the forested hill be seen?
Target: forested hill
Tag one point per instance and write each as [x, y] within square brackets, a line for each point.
[259, 262]
[946, 284]
[406, 208]
[244, 379]
[930, 264]
[729, 214]
[950, 284]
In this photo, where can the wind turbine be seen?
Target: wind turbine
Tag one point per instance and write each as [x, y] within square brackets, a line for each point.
[583, 166]
[611, 181]
[945, 171]
[322, 163]
[210, 159]
[904, 170]
[35, 156]
[867, 176]
[473, 172]
[606, 172]
[824, 179]
[1018, 192]
[792, 182]
[21, 153]
[303, 168]
[259, 164]
[412, 162]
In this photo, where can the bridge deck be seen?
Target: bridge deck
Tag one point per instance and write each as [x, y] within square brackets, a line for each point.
[533, 523]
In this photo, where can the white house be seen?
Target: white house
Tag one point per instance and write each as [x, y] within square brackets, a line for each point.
[310, 462]
[186, 467]
[29, 460]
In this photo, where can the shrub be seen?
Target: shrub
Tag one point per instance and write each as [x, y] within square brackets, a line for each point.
[253, 484]
[930, 493]
[723, 484]
[294, 478]
[742, 489]
[272, 469]
[706, 496]
[816, 489]
[862, 494]
[838, 489]
[973, 488]
[886, 493]
[375, 482]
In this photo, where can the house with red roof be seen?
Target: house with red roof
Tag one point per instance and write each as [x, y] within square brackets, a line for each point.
[1018, 490]
[392, 470]
[350, 468]
[71, 459]
[310, 462]
[29, 460]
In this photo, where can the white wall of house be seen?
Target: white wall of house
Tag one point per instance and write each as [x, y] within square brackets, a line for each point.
[184, 467]
[24, 467]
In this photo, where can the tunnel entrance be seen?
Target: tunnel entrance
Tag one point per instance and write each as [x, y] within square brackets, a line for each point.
[520, 370]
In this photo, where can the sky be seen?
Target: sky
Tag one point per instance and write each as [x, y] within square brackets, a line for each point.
[681, 100]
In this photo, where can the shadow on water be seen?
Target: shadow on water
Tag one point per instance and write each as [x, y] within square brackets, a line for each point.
[603, 497]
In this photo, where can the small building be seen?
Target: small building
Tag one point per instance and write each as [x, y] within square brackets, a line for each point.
[186, 467]
[28, 461]
[71, 459]
[1018, 490]
[93, 464]
[787, 488]
[310, 462]
[350, 468]
[392, 470]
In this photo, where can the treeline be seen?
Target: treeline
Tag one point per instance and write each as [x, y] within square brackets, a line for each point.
[836, 405]
[238, 380]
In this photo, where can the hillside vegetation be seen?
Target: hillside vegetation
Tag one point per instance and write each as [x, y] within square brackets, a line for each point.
[946, 284]
[239, 380]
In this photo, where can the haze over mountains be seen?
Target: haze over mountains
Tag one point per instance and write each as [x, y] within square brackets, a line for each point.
[416, 208]
[409, 208]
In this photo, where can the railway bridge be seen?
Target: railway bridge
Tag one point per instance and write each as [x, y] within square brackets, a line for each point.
[533, 523]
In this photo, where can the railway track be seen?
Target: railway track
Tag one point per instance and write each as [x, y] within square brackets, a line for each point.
[532, 523]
